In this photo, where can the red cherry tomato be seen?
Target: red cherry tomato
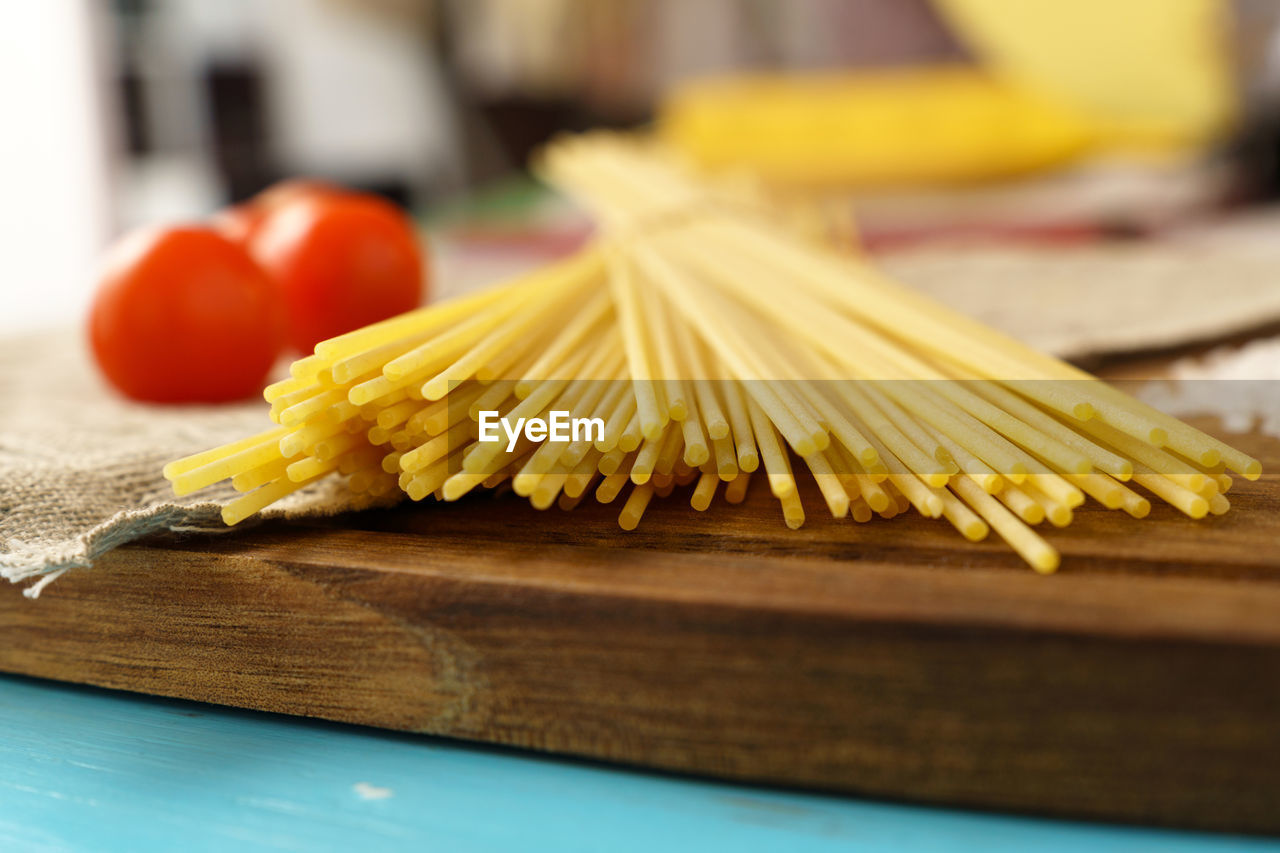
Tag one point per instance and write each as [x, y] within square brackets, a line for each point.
[183, 315]
[240, 222]
[341, 262]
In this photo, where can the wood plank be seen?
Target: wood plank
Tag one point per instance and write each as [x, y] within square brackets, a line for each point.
[893, 659]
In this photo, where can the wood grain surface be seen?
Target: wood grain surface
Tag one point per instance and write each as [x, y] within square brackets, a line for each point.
[1142, 682]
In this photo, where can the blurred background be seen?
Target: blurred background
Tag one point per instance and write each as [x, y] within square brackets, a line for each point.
[1037, 123]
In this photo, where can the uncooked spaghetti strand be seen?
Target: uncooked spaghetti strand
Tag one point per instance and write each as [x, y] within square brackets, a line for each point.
[1098, 456]
[846, 284]
[1185, 439]
[699, 377]
[619, 415]
[363, 363]
[732, 351]
[772, 455]
[652, 414]
[582, 475]
[1021, 503]
[634, 508]
[724, 460]
[740, 422]
[671, 369]
[646, 458]
[669, 453]
[606, 360]
[584, 265]
[1056, 511]
[523, 319]
[205, 457]
[260, 498]
[970, 465]
[247, 481]
[970, 433]
[914, 436]
[841, 427]
[631, 437]
[1039, 554]
[962, 518]
[1179, 497]
[457, 436]
[696, 449]
[612, 485]
[529, 407]
[584, 325]
[920, 494]
[1026, 435]
[845, 466]
[880, 433]
[292, 385]
[1180, 472]
[736, 491]
[613, 460]
[496, 398]
[436, 353]
[265, 450]
[771, 360]
[705, 491]
[515, 363]
[829, 484]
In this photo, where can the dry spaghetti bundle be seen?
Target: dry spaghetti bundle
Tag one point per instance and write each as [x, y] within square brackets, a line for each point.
[699, 343]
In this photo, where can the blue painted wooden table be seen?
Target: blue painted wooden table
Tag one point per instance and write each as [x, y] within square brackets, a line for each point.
[82, 768]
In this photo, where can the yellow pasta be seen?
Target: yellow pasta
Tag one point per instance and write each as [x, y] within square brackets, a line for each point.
[699, 340]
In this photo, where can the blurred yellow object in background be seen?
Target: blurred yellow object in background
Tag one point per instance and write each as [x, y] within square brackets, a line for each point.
[854, 128]
[1149, 72]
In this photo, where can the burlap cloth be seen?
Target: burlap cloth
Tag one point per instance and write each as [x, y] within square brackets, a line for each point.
[80, 466]
[1083, 301]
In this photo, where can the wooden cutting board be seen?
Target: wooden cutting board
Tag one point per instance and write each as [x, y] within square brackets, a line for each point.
[1142, 682]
